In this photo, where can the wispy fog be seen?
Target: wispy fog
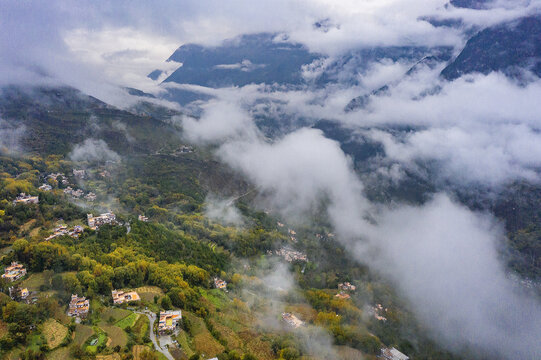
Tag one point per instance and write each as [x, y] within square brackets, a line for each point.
[93, 150]
[10, 137]
[441, 256]
[223, 211]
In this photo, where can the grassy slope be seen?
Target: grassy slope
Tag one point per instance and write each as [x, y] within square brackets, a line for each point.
[54, 333]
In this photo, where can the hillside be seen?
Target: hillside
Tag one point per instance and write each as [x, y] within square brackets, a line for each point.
[508, 48]
[172, 258]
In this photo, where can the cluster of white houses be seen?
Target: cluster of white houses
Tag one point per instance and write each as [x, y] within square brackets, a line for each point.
[79, 173]
[346, 286]
[94, 222]
[77, 194]
[14, 272]
[291, 255]
[45, 187]
[61, 230]
[25, 199]
[55, 176]
[292, 235]
[378, 310]
[74, 193]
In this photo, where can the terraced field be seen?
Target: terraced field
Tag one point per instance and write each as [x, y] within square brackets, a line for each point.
[203, 341]
[34, 281]
[82, 333]
[115, 313]
[147, 293]
[62, 353]
[54, 333]
[116, 334]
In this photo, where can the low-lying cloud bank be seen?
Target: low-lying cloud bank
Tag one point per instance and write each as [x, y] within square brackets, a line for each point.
[93, 150]
[441, 256]
[480, 130]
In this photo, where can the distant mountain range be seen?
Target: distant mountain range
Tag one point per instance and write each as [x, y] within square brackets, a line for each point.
[271, 59]
[257, 58]
[510, 48]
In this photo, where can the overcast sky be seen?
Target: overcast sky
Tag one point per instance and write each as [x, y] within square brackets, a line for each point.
[92, 44]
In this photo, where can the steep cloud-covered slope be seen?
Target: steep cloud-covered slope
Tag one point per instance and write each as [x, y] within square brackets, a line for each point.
[508, 48]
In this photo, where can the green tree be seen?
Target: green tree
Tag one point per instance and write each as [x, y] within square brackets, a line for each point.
[165, 302]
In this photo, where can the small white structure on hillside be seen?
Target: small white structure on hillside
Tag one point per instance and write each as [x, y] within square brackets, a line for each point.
[78, 306]
[220, 284]
[120, 296]
[45, 187]
[292, 320]
[392, 354]
[169, 320]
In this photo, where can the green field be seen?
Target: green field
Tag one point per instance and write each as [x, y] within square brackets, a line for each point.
[147, 293]
[102, 338]
[203, 341]
[217, 297]
[34, 281]
[141, 327]
[127, 321]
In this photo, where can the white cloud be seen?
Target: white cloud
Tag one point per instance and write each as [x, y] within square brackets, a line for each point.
[223, 211]
[93, 150]
[221, 120]
[443, 258]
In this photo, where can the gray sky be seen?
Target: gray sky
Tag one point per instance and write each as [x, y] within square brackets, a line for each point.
[96, 44]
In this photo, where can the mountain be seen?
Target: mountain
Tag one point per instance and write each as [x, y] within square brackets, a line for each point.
[347, 67]
[257, 58]
[509, 48]
[57, 118]
[436, 57]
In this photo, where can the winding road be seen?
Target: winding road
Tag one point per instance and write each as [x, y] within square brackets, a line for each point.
[152, 318]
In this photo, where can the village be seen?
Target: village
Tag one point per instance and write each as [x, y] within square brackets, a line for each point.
[289, 254]
[166, 324]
